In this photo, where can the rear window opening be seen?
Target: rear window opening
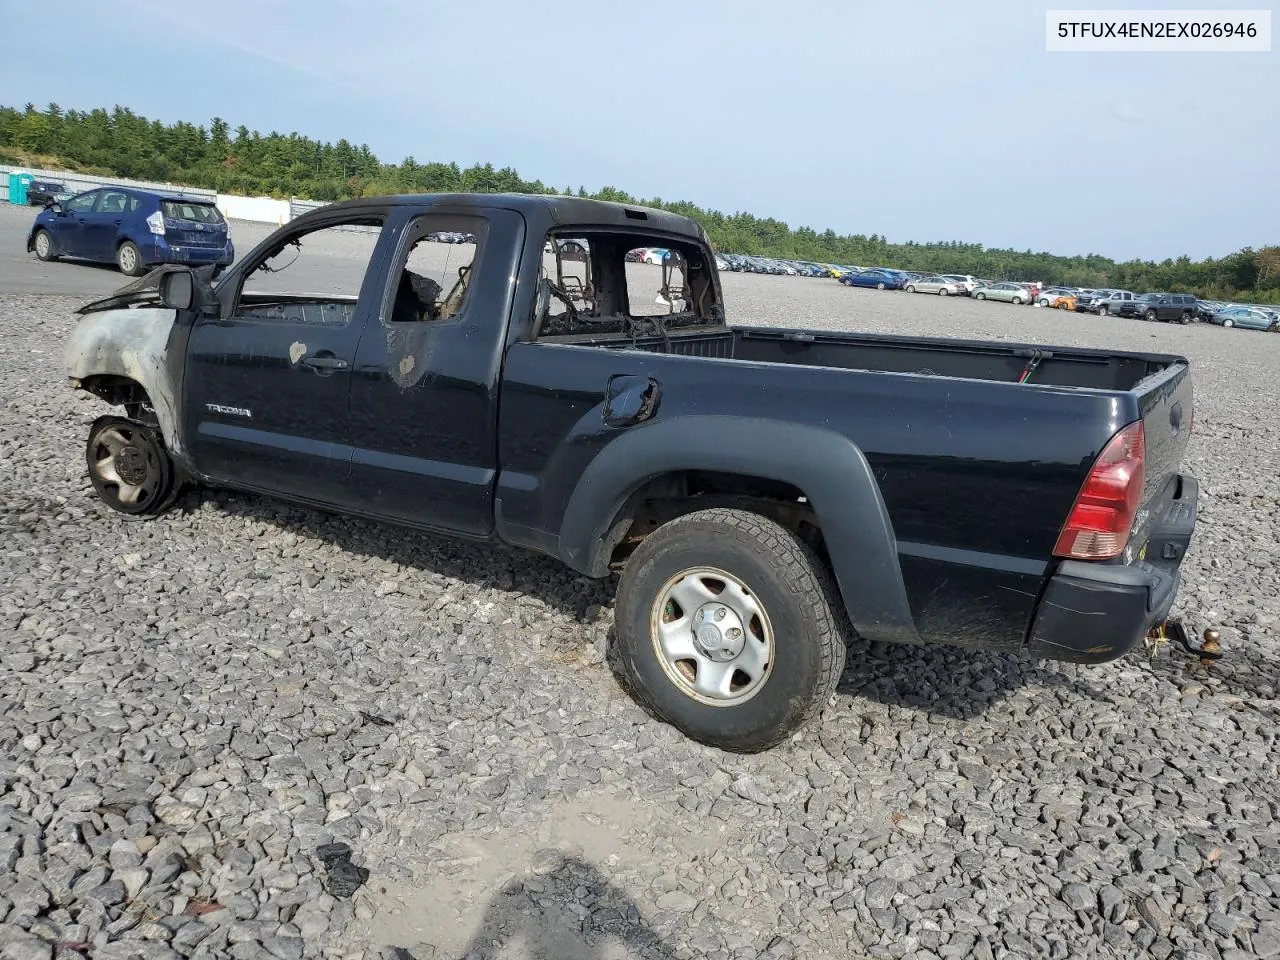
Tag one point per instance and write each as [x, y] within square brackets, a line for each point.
[190, 211]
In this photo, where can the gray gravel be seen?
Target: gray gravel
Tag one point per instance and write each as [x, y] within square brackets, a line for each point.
[189, 707]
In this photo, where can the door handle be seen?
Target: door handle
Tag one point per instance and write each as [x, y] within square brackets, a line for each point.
[324, 363]
[630, 399]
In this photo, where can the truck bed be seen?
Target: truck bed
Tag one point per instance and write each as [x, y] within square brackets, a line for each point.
[940, 357]
[977, 470]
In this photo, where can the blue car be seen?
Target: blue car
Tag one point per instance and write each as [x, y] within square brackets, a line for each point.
[880, 279]
[135, 229]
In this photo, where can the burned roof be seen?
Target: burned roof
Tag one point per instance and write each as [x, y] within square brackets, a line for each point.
[541, 211]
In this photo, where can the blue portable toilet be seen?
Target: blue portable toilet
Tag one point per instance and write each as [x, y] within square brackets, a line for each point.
[18, 183]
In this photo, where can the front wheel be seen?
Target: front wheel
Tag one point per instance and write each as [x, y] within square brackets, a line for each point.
[1149, 316]
[129, 260]
[1103, 312]
[129, 467]
[911, 288]
[727, 629]
[982, 296]
[1228, 322]
[1185, 318]
[44, 245]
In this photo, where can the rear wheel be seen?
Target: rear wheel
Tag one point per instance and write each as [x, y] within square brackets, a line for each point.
[129, 467]
[44, 245]
[1019, 300]
[880, 285]
[129, 260]
[727, 629]
[942, 291]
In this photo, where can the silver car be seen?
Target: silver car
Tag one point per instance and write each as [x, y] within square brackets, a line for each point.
[939, 285]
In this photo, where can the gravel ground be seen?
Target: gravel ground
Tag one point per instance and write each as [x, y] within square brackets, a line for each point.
[192, 708]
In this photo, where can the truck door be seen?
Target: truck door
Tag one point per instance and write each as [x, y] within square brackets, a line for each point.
[424, 392]
[268, 383]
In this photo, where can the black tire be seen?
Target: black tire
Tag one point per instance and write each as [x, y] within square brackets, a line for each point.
[1185, 318]
[129, 467]
[802, 624]
[942, 291]
[981, 296]
[1103, 312]
[1228, 322]
[911, 288]
[880, 286]
[1275, 327]
[42, 239]
[1149, 316]
[129, 260]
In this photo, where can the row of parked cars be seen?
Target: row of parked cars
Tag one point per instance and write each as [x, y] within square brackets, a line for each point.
[1162, 307]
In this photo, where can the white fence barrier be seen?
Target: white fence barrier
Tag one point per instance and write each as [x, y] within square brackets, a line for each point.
[257, 209]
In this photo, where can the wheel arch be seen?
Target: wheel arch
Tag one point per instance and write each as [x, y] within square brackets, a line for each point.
[827, 469]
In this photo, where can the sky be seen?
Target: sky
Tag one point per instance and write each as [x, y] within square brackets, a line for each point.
[926, 121]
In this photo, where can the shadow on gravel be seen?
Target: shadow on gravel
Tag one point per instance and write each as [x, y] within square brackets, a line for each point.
[481, 564]
[955, 683]
[566, 910]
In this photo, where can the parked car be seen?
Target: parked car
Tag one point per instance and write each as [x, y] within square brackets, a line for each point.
[1205, 309]
[1181, 307]
[967, 282]
[1063, 301]
[41, 193]
[1120, 303]
[938, 285]
[1250, 318]
[1006, 291]
[1045, 299]
[136, 229]
[880, 279]
[736, 478]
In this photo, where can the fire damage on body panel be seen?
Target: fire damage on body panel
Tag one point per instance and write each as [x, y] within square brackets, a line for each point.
[592, 284]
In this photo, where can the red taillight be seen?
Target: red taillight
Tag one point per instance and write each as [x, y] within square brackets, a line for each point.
[1099, 524]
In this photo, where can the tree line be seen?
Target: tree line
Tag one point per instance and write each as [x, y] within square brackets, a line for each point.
[121, 143]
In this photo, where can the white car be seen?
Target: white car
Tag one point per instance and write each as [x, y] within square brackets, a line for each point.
[653, 255]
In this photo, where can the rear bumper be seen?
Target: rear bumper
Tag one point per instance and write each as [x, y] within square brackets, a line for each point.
[1095, 612]
[162, 251]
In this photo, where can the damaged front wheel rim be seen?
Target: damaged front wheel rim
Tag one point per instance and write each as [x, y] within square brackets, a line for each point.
[128, 466]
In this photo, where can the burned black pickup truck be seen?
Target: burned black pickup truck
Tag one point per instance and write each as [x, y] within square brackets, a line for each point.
[757, 491]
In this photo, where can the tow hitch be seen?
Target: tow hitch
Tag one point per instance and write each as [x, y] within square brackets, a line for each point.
[1173, 631]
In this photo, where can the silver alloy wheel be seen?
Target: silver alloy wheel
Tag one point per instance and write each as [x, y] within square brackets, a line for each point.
[42, 245]
[712, 636]
[128, 259]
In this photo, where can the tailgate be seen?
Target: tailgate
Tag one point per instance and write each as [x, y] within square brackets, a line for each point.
[1165, 400]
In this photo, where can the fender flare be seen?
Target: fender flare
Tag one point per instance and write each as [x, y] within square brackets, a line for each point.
[828, 467]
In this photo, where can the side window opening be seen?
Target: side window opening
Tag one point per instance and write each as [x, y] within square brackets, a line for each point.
[313, 278]
[610, 282]
[432, 279]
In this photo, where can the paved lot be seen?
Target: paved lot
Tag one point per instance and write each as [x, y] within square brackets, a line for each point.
[189, 706]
